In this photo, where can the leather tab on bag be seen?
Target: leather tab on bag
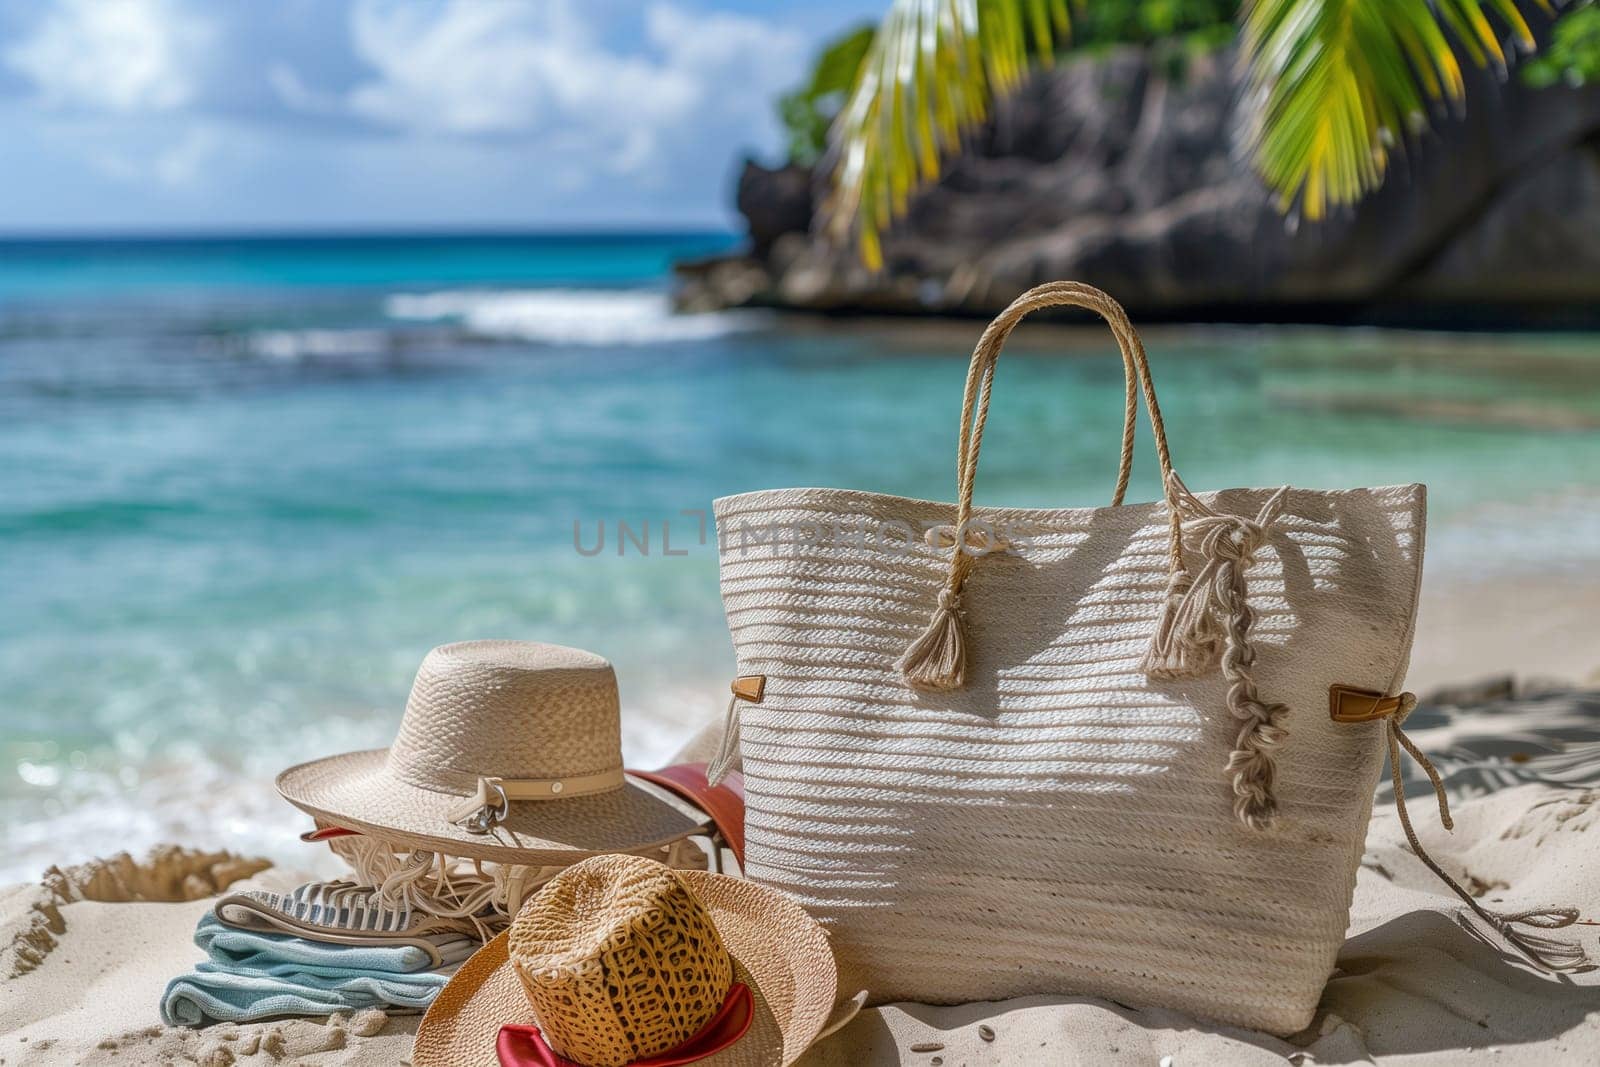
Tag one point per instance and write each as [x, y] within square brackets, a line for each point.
[1348, 704]
[750, 687]
[723, 803]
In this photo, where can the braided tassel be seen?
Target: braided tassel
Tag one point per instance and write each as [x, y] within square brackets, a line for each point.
[1207, 619]
[1253, 762]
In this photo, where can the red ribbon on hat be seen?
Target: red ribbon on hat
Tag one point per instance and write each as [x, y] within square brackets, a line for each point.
[524, 1046]
[328, 833]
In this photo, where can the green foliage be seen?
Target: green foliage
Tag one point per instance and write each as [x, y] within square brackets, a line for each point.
[1573, 54]
[1175, 30]
[1179, 26]
[1105, 22]
[808, 111]
[932, 71]
[1341, 83]
[1344, 80]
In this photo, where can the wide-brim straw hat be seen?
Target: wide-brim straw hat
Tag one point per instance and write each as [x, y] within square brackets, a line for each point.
[532, 731]
[778, 951]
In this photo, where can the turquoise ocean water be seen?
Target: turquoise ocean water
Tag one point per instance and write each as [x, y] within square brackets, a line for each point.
[246, 484]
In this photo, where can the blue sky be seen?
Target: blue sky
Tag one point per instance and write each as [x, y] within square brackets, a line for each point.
[162, 115]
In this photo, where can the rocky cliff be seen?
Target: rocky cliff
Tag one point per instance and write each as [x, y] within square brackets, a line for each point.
[1115, 171]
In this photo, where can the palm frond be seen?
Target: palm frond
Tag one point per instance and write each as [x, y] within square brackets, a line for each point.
[933, 72]
[1343, 80]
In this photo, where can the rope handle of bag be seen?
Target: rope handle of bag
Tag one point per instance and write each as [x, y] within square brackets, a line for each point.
[1136, 379]
[1205, 621]
[937, 659]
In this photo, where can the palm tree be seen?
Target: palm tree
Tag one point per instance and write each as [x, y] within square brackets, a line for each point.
[1340, 84]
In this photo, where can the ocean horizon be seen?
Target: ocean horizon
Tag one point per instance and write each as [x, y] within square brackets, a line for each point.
[250, 480]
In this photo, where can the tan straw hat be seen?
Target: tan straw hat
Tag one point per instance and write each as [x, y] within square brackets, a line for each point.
[509, 751]
[620, 958]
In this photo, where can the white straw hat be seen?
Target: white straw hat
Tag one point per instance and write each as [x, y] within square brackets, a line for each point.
[509, 751]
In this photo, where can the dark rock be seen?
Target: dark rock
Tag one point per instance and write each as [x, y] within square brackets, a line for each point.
[773, 203]
[1110, 170]
[720, 282]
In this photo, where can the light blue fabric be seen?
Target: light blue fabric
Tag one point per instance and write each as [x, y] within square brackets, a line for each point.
[251, 975]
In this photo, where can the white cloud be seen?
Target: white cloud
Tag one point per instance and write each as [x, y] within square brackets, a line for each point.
[186, 161]
[555, 112]
[170, 157]
[538, 72]
[296, 95]
[121, 57]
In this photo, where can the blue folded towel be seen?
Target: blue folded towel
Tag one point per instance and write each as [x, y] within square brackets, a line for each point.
[250, 975]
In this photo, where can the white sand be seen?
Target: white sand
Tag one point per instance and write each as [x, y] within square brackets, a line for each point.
[1533, 625]
[88, 989]
[1414, 984]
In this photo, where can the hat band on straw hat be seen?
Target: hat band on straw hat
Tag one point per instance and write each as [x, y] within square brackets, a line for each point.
[491, 801]
[524, 1045]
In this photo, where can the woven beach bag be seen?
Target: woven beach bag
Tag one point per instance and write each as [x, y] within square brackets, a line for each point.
[1107, 765]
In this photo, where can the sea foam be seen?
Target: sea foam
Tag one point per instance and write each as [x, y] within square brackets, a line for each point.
[568, 316]
[209, 795]
[291, 346]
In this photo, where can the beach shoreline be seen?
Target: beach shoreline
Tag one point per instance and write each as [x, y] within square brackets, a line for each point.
[251, 598]
[1528, 619]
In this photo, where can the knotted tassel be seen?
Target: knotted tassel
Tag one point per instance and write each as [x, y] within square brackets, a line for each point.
[1187, 641]
[937, 661]
[727, 754]
[1551, 953]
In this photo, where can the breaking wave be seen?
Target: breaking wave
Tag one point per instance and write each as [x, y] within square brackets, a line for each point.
[569, 316]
